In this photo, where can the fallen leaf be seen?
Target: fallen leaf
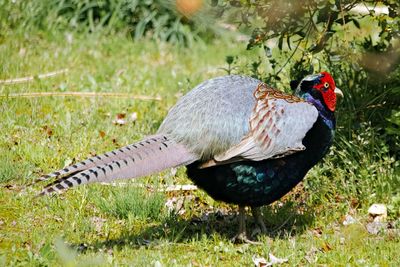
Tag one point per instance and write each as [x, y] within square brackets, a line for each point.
[326, 247]
[259, 261]
[311, 255]
[121, 115]
[177, 204]
[133, 117]
[275, 260]
[57, 218]
[262, 262]
[354, 203]
[317, 232]
[119, 122]
[120, 119]
[375, 227]
[349, 220]
[47, 130]
[378, 212]
[102, 134]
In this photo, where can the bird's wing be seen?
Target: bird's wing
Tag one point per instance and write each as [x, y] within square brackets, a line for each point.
[214, 116]
[278, 124]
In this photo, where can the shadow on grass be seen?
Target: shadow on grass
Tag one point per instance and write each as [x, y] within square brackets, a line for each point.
[286, 220]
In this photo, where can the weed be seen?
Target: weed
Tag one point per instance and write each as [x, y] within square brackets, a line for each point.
[127, 202]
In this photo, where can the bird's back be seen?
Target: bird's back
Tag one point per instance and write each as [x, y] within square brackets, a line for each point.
[214, 116]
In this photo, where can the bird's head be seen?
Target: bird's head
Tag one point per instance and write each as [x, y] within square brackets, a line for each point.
[320, 87]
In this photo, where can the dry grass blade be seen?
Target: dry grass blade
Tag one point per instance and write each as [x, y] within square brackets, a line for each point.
[170, 188]
[81, 94]
[31, 78]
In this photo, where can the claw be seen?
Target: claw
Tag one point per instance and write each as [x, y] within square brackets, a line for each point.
[241, 237]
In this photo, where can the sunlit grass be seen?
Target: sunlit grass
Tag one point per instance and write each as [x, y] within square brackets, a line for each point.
[104, 225]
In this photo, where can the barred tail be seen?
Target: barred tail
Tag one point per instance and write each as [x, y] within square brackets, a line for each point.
[153, 154]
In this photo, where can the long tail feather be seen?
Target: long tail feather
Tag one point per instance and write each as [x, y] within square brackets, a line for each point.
[151, 155]
[100, 159]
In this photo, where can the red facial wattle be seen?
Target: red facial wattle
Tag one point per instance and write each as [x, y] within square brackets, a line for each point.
[330, 99]
[328, 94]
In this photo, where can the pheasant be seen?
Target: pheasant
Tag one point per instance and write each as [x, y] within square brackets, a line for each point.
[242, 141]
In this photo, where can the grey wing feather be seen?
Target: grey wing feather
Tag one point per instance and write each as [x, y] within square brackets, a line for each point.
[212, 117]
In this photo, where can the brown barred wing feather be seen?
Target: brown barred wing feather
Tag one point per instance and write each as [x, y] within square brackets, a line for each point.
[278, 124]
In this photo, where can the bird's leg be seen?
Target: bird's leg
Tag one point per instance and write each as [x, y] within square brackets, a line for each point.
[241, 236]
[259, 219]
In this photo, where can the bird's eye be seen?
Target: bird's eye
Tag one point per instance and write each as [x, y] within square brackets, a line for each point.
[326, 85]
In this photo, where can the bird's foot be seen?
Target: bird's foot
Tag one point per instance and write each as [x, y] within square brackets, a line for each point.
[259, 220]
[260, 229]
[241, 238]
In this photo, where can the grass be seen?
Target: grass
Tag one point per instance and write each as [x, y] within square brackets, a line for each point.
[104, 225]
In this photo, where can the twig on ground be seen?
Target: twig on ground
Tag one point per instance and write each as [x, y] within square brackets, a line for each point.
[31, 78]
[170, 188]
[81, 94]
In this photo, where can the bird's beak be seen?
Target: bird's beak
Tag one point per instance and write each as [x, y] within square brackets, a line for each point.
[338, 92]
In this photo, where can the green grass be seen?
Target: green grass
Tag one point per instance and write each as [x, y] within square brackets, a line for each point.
[104, 225]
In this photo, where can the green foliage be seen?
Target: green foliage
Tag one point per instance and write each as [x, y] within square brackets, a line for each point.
[362, 169]
[8, 170]
[362, 51]
[133, 202]
[314, 22]
[158, 19]
[393, 128]
[357, 41]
